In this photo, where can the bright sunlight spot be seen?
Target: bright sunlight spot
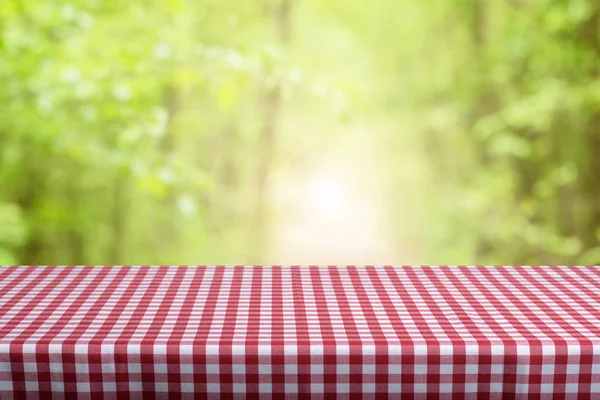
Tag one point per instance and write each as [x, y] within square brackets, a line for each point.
[329, 210]
[328, 197]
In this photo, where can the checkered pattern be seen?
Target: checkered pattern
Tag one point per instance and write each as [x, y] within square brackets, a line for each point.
[249, 332]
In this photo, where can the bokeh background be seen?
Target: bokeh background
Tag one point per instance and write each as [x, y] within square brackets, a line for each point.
[299, 131]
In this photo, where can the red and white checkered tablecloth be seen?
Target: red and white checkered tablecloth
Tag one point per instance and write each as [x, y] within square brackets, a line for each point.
[285, 332]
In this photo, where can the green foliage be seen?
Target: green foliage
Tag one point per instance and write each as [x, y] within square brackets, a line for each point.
[13, 232]
[154, 132]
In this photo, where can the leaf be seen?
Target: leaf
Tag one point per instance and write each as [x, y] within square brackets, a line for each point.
[579, 10]
[510, 144]
[12, 225]
[185, 77]
[570, 246]
[175, 6]
[590, 257]
[186, 205]
[565, 174]
[7, 257]
[162, 51]
[151, 184]
[122, 92]
[487, 127]
[227, 95]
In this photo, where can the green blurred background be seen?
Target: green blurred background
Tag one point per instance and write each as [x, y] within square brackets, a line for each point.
[299, 131]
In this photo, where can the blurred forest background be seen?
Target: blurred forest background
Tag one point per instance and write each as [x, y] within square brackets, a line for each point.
[299, 131]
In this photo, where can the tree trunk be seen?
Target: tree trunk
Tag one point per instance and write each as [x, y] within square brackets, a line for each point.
[75, 239]
[483, 103]
[590, 36]
[27, 198]
[168, 221]
[118, 219]
[281, 15]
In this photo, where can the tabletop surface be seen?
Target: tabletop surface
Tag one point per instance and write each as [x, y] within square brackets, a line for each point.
[301, 305]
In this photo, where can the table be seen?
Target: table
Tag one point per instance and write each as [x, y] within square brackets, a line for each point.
[288, 331]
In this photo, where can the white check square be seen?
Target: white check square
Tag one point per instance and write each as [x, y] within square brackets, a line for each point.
[238, 369]
[187, 387]
[446, 369]
[546, 388]
[547, 369]
[445, 388]
[238, 350]
[496, 387]
[29, 367]
[212, 369]
[162, 387]
[317, 388]
[291, 388]
[497, 369]
[343, 388]
[213, 388]
[239, 388]
[368, 369]
[394, 388]
[420, 388]
[572, 388]
[134, 368]
[265, 387]
[160, 368]
[470, 388]
[420, 369]
[368, 388]
[572, 369]
[186, 369]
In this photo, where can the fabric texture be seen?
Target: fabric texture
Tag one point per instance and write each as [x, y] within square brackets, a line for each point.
[289, 331]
